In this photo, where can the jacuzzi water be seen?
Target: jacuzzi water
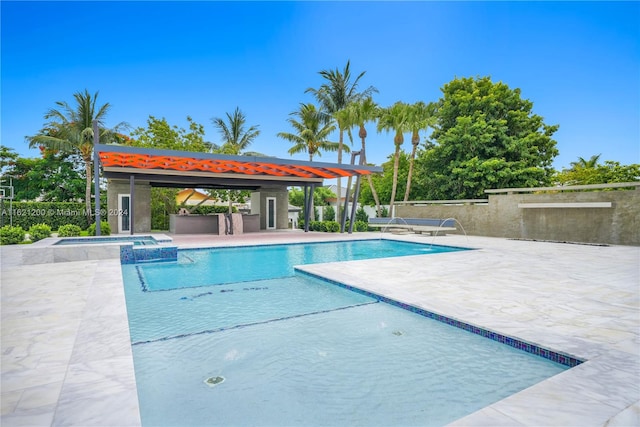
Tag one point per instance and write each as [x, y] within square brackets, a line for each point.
[298, 351]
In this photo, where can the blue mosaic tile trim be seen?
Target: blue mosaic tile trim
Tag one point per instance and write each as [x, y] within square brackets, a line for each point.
[132, 255]
[560, 358]
[244, 325]
[126, 255]
[143, 284]
[204, 294]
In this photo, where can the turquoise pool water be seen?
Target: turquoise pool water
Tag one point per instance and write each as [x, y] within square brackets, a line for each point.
[205, 267]
[299, 351]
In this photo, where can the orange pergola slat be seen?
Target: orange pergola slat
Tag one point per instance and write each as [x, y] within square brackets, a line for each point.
[218, 166]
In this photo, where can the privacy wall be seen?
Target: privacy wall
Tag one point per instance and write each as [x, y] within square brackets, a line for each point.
[600, 214]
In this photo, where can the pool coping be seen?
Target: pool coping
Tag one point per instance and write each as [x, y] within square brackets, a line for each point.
[48, 251]
[603, 390]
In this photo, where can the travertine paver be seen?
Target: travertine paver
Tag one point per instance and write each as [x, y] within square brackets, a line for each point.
[66, 356]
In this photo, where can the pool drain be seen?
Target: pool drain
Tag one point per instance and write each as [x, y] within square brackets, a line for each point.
[213, 381]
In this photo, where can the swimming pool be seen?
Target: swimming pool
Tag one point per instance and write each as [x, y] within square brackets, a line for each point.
[299, 351]
[205, 267]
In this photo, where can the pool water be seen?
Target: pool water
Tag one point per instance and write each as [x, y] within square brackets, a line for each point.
[299, 351]
[239, 264]
[179, 312]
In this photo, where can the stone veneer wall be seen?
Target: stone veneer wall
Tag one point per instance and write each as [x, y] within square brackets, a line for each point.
[503, 217]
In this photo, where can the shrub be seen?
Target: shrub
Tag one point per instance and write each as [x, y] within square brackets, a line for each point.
[316, 226]
[361, 215]
[328, 213]
[10, 235]
[69, 230]
[331, 226]
[324, 226]
[361, 226]
[105, 230]
[39, 232]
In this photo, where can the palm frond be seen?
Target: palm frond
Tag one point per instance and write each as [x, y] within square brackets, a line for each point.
[234, 136]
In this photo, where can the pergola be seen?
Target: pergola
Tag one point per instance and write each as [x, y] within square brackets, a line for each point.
[170, 168]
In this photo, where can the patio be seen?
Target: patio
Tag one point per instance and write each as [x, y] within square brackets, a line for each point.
[66, 355]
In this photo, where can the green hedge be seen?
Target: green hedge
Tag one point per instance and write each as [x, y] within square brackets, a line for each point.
[11, 235]
[53, 214]
[334, 226]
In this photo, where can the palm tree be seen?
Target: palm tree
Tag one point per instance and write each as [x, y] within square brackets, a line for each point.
[586, 164]
[235, 138]
[395, 118]
[364, 111]
[344, 121]
[70, 130]
[335, 94]
[312, 130]
[421, 117]
[235, 141]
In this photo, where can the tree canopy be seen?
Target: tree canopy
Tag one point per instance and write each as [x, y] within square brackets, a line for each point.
[334, 95]
[160, 134]
[312, 132]
[54, 177]
[70, 130]
[486, 136]
[584, 172]
[235, 138]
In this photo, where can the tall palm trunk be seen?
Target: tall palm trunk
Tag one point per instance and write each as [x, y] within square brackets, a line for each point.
[415, 141]
[340, 147]
[398, 140]
[87, 189]
[363, 136]
[312, 209]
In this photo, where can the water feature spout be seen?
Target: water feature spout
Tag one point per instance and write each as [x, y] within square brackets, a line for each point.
[442, 225]
[391, 222]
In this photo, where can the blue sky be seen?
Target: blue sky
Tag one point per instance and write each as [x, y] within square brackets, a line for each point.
[578, 62]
